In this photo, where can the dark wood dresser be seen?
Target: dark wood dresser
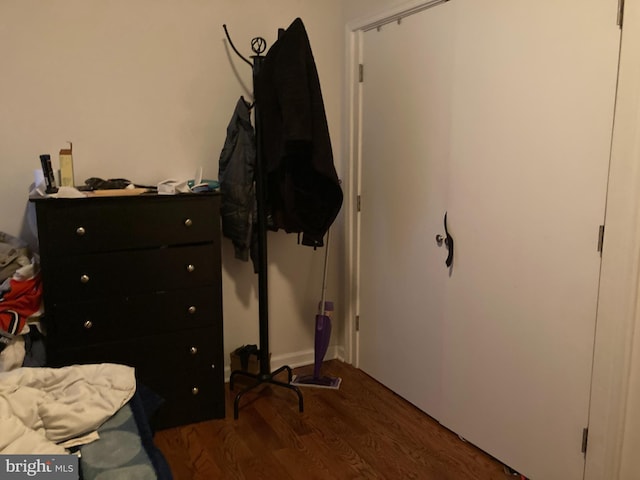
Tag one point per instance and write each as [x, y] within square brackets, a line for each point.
[136, 280]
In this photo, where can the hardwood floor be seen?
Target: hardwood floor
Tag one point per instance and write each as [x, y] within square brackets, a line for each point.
[361, 431]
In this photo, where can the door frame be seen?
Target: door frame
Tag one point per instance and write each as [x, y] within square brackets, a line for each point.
[618, 307]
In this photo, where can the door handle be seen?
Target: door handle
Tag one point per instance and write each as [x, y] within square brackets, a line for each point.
[448, 241]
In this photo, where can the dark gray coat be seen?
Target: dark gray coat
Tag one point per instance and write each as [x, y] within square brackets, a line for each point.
[236, 176]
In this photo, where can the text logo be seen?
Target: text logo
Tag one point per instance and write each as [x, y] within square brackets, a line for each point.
[52, 467]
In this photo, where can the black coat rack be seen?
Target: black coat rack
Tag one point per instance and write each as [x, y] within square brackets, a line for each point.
[259, 45]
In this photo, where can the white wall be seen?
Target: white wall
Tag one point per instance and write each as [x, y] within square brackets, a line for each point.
[145, 90]
[357, 9]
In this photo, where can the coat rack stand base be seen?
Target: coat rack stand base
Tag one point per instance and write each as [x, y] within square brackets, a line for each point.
[261, 379]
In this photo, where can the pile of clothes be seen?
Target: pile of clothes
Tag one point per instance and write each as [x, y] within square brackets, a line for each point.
[20, 305]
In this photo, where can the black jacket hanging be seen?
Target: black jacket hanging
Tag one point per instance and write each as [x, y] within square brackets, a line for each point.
[303, 189]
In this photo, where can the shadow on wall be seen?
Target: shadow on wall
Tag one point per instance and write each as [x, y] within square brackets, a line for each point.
[29, 229]
[299, 265]
[235, 64]
[241, 273]
[302, 267]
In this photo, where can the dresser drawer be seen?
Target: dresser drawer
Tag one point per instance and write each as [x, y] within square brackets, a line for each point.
[159, 355]
[200, 396]
[99, 321]
[117, 223]
[83, 277]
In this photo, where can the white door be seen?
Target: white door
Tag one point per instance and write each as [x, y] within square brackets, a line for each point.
[500, 113]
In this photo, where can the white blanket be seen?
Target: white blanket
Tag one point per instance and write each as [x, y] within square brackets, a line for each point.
[43, 407]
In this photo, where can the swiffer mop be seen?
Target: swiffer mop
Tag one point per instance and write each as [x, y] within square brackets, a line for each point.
[321, 340]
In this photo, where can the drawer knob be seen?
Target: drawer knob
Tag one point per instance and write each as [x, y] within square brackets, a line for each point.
[195, 391]
[88, 324]
[193, 350]
[80, 231]
[84, 278]
[191, 268]
[188, 222]
[192, 309]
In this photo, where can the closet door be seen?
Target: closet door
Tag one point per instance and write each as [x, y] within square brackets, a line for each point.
[534, 90]
[406, 126]
[513, 143]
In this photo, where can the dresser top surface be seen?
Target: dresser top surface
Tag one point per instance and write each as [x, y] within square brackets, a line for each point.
[119, 198]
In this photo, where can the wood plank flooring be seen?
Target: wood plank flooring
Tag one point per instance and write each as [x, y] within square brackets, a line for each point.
[360, 431]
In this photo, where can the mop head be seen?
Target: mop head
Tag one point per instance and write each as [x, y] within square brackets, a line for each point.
[316, 382]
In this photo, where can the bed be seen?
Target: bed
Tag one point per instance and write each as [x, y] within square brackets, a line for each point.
[97, 412]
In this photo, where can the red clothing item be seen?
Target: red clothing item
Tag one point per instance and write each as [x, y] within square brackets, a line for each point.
[20, 302]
